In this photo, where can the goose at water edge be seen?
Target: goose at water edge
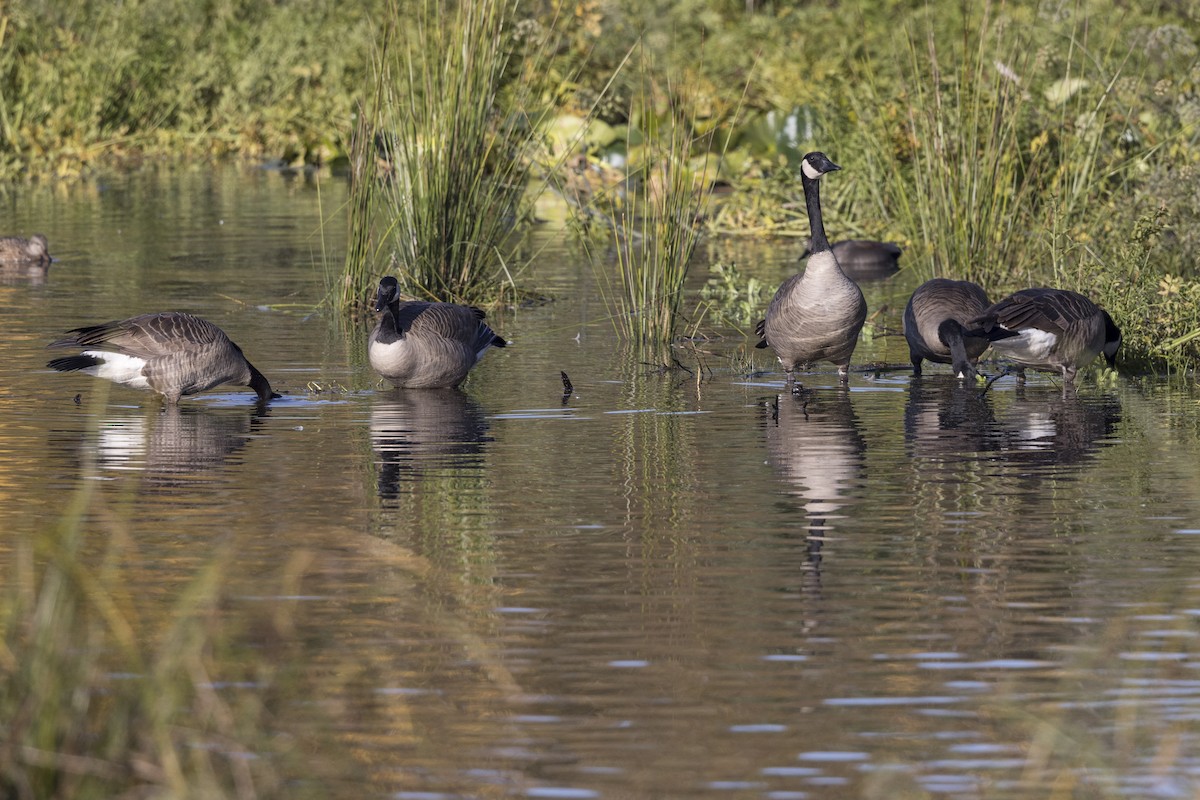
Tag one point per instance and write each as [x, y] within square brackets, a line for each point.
[422, 345]
[934, 320]
[171, 353]
[817, 314]
[1054, 330]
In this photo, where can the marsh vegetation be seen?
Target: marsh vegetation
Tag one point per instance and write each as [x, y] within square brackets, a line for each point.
[1014, 144]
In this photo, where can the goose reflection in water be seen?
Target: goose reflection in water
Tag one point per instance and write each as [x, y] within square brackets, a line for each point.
[814, 444]
[172, 443]
[417, 432]
[947, 422]
[1051, 429]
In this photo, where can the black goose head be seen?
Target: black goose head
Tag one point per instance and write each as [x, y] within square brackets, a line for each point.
[389, 292]
[1112, 340]
[816, 164]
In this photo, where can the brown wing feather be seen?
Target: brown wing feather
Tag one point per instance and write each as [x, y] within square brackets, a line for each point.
[448, 320]
[1052, 310]
[148, 335]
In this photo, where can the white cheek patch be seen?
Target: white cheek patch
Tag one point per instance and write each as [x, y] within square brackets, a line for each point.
[810, 172]
[118, 368]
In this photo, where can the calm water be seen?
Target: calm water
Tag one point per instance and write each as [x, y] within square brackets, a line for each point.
[663, 586]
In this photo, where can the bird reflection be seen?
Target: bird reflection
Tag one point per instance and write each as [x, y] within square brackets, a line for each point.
[947, 420]
[424, 431]
[1052, 429]
[948, 423]
[32, 273]
[171, 443]
[814, 444]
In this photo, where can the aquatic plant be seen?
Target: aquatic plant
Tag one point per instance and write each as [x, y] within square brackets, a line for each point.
[455, 134]
[656, 222]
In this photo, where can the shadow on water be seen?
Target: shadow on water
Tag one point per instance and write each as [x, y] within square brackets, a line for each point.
[815, 445]
[425, 433]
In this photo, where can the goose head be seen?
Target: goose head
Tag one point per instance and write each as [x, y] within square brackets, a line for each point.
[816, 164]
[389, 292]
[1112, 340]
[38, 247]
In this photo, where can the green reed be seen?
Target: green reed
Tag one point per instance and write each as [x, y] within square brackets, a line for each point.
[656, 222]
[979, 145]
[455, 137]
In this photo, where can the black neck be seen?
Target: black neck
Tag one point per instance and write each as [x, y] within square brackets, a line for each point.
[259, 383]
[389, 324]
[812, 199]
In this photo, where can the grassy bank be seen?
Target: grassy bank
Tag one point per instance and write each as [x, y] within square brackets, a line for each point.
[1015, 143]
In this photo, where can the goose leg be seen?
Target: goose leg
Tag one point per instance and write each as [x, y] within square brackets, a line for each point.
[916, 362]
[844, 372]
[1020, 376]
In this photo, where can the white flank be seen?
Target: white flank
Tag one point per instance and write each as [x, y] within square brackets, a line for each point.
[118, 368]
[1033, 346]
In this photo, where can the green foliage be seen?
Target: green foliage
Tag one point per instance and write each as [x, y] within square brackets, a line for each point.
[656, 224]
[735, 299]
[457, 121]
[83, 82]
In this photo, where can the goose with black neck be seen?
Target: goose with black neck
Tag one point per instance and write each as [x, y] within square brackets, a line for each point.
[817, 314]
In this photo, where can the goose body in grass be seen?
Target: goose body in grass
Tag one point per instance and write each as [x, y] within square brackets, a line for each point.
[934, 321]
[817, 314]
[1055, 330]
[171, 353]
[16, 250]
[864, 259]
[424, 345]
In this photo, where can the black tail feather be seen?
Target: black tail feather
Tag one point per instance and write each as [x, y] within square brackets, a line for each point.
[74, 363]
[993, 334]
[498, 342]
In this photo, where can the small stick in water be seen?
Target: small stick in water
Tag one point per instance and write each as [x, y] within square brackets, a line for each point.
[567, 387]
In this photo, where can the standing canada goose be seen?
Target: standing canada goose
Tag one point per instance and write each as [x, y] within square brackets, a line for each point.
[934, 320]
[35, 249]
[171, 353]
[1049, 329]
[420, 345]
[863, 259]
[817, 314]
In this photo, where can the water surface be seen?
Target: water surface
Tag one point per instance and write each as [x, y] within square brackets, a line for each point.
[667, 584]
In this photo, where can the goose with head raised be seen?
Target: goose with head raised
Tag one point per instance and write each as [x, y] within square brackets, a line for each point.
[816, 315]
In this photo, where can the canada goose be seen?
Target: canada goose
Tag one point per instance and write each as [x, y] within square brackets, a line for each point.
[1049, 329]
[171, 353]
[863, 259]
[933, 324]
[420, 345]
[14, 249]
[817, 314]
